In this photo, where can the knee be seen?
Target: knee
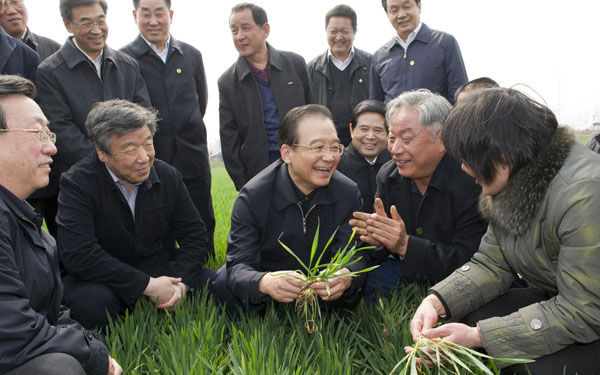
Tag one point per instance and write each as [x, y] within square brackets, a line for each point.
[51, 364]
[90, 302]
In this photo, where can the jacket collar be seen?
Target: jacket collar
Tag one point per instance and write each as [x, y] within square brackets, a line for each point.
[362, 162]
[286, 196]
[27, 217]
[323, 60]
[517, 205]
[103, 171]
[140, 47]
[423, 36]
[31, 38]
[275, 60]
[442, 176]
[74, 56]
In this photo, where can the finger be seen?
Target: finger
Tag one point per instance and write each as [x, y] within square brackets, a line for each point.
[176, 297]
[361, 216]
[370, 240]
[175, 280]
[360, 231]
[379, 210]
[395, 215]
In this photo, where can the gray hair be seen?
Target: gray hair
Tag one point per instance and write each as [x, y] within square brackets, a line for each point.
[117, 117]
[432, 108]
[66, 7]
[14, 85]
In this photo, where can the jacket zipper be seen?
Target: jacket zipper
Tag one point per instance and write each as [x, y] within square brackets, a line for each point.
[304, 216]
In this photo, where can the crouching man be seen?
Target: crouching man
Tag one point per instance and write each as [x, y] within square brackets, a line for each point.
[287, 201]
[121, 216]
[37, 335]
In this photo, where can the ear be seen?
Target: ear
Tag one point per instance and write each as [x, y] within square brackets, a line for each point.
[101, 154]
[266, 29]
[135, 16]
[68, 25]
[286, 152]
[171, 16]
[351, 130]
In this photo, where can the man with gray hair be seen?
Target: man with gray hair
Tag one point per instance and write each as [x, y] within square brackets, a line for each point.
[426, 217]
[127, 225]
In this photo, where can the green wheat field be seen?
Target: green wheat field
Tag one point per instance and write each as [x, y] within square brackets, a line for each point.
[199, 338]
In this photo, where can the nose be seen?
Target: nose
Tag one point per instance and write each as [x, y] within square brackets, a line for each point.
[370, 134]
[8, 9]
[396, 146]
[49, 148]
[142, 156]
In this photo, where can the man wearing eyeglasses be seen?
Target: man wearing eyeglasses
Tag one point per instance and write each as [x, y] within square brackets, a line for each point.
[16, 57]
[287, 202]
[37, 335]
[426, 218]
[13, 19]
[83, 72]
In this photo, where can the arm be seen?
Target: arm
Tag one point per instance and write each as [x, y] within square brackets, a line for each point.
[141, 95]
[456, 73]
[201, 87]
[375, 88]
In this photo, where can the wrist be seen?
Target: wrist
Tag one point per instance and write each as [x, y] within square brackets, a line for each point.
[149, 287]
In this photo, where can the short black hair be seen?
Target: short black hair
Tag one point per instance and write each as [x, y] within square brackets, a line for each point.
[368, 106]
[475, 84]
[288, 132]
[67, 6]
[258, 14]
[136, 4]
[342, 10]
[495, 127]
[14, 85]
[384, 3]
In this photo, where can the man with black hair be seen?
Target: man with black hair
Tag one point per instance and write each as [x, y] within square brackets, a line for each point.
[474, 86]
[255, 94]
[417, 57]
[340, 76]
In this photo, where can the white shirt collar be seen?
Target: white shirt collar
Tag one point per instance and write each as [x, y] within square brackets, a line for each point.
[97, 63]
[411, 36]
[162, 54]
[341, 65]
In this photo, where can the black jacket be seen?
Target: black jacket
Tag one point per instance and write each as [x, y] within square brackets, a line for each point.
[68, 87]
[447, 229]
[40, 44]
[33, 321]
[266, 208]
[178, 90]
[242, 127]
[100, 241]
[17, 58]
[356, 168]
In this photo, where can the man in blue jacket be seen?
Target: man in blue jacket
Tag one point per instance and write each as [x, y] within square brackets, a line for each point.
[174, 74]
[417, 57]
[37, 335]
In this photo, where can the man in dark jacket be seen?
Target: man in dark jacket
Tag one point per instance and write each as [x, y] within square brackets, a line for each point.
[83, 72]
[340, 76]
[120, 215]
[255, 93]
[417, 57]
[16, 58]
[286, 202]
[362, 160]
[13, 19]
[426, 212]
[37, 334]
[174, 74]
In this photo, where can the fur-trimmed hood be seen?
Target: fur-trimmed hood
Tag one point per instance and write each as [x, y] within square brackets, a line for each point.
[516, 206]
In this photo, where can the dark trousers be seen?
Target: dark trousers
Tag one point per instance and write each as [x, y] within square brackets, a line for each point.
[199, 189]
[582, 359]
[224, 296]
[49, 364]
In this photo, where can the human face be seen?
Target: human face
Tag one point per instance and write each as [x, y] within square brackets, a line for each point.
[91, 39]
[404, 15]
[369, 136]
[308, 169]
[131, 156]
[496, 186]
[340, 36]
[153, 19]
[13, 18]
[248, 38]
[25, 160]
[414, 151]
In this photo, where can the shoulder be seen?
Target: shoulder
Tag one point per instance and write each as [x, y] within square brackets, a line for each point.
[228, 76]
[384, 50]
[443, 38]
[362, 56]
[166, 171]
[124, 59]
[343, 187]
[52, 62]
[581, 165]
[290, 57]
[85, 169]
[44, 40]
[385, 172]
[312, 64]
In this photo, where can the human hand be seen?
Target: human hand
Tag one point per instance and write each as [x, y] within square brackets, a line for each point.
[426, 316]
[360, 225]
[282, 286]
[179, 295]
[337, 286]
[113, 367]
[161, 289]
[379, 230]
[457, 333]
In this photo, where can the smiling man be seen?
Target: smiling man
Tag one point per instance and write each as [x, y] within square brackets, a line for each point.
[174, 74]
[417, 57]
[340, 76]
[83, 72]
[426, 216]
[286, 202]
[255, 94]
[126, 223]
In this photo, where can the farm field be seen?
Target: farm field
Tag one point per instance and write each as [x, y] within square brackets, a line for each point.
[199, 338]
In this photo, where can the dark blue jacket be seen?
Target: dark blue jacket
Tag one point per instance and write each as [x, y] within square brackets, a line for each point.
[100, 241]
[433, 61]
[68, 87]
[447, 228]
[242, 127]
[33, 321]
[17, 58]
[267, 210]
[178, 90]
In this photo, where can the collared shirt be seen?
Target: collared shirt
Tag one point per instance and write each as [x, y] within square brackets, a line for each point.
[371, 163]
[261, 73]
[411, 37]
[162, 54]
[97, 63]
[128, 195]
[23, 37]
[341, 65]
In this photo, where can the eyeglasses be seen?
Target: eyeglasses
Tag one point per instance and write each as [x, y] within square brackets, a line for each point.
[87, 26]
[321, 149]
[44, 134]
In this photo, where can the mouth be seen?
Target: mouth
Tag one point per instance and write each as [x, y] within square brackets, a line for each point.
[45, 165]
[369, 146]
[323, 171]
[402, 163]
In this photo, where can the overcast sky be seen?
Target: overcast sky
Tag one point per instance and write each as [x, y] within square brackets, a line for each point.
[552, 46]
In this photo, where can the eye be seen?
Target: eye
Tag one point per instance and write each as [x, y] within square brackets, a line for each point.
[319, 149]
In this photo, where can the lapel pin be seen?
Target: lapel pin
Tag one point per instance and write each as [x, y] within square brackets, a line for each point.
[179, 70]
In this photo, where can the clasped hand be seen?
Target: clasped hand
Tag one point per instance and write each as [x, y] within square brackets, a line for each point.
[285, 286]
[166, 292]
